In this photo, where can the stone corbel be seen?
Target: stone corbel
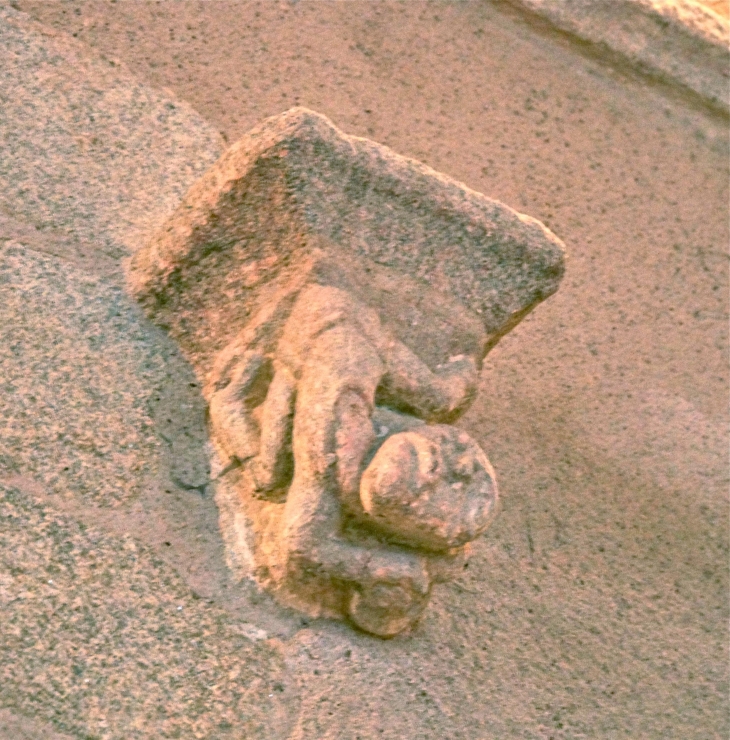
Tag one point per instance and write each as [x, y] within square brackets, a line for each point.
[337, 301]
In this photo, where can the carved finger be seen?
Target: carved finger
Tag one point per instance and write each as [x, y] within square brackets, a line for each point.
[272, 469]
[411, 386]
[233, 426]
[402, 568]
[231, 407]
[353, 438]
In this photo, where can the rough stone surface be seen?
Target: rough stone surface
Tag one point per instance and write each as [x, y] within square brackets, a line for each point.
[14, 727]
[296, 183]
[596, 606]
[91, 156]
[78, 371]
[681, 41]
[721, 7]
[102, 639]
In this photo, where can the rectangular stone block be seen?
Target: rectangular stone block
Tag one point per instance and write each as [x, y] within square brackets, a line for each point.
[297, 200]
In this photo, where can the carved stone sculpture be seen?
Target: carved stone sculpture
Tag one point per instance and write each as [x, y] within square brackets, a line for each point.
[338, 300]
[320, 442]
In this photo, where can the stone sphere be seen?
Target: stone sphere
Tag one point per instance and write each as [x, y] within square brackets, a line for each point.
[431, 487]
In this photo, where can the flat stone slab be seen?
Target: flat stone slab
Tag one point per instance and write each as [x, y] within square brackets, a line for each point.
[15, 727]
[296, 192]
[79, 369]
[92, 160]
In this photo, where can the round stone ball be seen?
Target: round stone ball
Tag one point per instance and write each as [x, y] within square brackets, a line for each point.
[431, 487]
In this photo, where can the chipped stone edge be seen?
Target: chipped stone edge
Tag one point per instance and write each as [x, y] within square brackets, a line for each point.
[680, 42]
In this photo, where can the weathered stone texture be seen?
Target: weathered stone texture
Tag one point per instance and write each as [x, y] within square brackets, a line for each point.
[337, 300]
[102, 639]
[78, 371]
[91, 156]
[295, 184]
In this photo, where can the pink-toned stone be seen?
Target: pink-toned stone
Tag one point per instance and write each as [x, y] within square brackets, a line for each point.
[296, 185]
[338, 301]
